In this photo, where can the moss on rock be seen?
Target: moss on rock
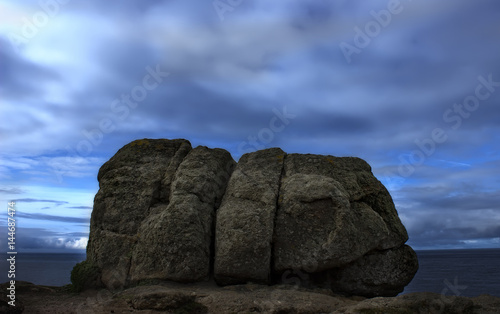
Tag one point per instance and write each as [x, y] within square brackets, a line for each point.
[84, 275]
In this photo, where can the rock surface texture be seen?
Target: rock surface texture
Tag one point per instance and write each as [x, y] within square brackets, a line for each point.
[166, 211]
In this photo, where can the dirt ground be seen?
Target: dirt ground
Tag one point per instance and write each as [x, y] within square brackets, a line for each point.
[249, 298]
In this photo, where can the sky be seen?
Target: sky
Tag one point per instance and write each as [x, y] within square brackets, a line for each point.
[412, 87]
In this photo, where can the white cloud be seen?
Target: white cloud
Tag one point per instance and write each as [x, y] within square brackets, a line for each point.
[66, 243]
[80, 243]
[18, 163]
[51, 169]
[72, 166]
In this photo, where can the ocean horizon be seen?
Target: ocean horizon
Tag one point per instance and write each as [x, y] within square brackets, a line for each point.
[465, 272]
[457, 272]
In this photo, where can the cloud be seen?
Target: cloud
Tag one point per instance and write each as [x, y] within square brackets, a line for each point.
[20, 77]
[447, 213]
[59, 243]
[72, 165]
[11, 191]
[459, 200]
[74, 244]
[32, 200]
[43, 240]
[53, 218]
[226, 77]
[69, 163]
[18, 163]
[438, 235]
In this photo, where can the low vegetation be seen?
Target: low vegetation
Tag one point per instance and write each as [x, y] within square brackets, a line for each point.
[84, 275]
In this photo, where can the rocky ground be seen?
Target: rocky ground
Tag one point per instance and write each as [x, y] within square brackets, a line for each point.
[209, 298]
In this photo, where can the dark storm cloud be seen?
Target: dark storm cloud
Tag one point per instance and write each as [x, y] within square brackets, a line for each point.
[179, 102]
[226, 78]
[429, 59]
[133, 7]
[21, 78]
[81, 207]
[447, 203]
[115, 59]
[195, 109]
[334, 125]
[52, 218]
[455, 198]
[435, 233]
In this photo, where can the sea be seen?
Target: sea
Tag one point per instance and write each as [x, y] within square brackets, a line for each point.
[457, 272]
[48, 269]
[448, 272]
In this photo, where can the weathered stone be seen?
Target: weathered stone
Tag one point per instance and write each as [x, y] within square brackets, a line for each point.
[111, 252]
[130, 185]
[161, 299]
[355, 176]
[317, 228]
[379, 273]
[417, 303]
[175, 242]
[166, 211]
[332, 211]
[245, 220]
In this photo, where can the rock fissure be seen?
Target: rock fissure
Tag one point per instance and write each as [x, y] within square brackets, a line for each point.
[278, 204]
[166, 211]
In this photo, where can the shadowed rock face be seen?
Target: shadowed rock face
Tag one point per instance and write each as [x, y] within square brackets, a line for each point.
[167, 211]
[376, 273]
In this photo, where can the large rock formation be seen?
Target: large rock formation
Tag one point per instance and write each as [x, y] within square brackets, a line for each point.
[166, 211]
